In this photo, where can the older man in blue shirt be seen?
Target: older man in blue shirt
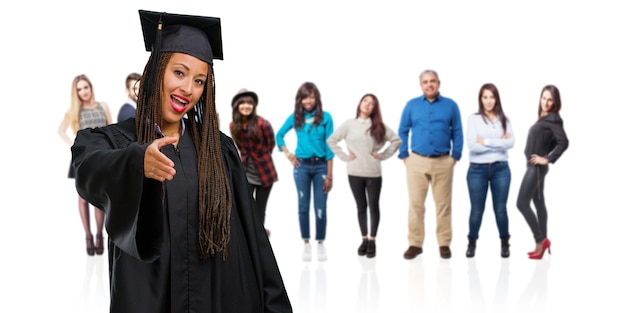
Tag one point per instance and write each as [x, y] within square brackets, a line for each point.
[435, 145]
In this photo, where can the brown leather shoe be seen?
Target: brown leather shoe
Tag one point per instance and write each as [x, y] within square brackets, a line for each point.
[412, 252]
[445, 252]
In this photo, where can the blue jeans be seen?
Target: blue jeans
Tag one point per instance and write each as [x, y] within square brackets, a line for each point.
[311, 174]
[480, 177]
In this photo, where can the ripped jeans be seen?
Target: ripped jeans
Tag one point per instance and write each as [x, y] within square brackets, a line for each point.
[310, 176]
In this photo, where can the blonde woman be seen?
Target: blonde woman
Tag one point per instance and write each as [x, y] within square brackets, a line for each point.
[85, 112]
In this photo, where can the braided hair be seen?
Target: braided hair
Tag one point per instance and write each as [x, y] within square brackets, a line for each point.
[214, 192]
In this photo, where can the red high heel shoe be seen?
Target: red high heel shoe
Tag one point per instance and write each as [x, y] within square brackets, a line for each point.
[545, 246]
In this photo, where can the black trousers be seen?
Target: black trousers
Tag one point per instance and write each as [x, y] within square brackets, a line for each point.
[531, 189]
[261, 195]
[366, 190]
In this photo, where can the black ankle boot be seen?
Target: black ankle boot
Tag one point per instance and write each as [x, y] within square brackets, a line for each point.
[371, 248]
[504, 252]
[363, 247]
[471, 248]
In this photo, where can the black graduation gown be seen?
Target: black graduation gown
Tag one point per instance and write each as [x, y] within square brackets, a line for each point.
[154, 254]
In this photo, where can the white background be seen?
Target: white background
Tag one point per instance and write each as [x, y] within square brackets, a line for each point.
[347, 49]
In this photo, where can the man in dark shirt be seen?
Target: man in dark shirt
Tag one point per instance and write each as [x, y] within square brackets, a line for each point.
[435, 145]
[132, 90]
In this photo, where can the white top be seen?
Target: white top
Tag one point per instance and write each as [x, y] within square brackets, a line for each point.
[495, 147]
[358, 140]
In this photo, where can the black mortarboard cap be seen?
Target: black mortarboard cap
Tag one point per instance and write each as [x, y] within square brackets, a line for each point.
[199, 36]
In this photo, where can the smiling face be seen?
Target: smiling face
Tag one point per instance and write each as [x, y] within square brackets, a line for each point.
[83, 89]
[366, 107]
[245, 107]
[184, 81]
[308, 103]
[430, 85]
[488, 101]
[546, 102]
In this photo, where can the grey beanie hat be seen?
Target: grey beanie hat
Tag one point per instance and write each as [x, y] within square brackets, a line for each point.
[243, 92]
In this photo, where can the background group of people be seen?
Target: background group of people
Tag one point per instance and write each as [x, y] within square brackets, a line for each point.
[436, 142]
[430, 141]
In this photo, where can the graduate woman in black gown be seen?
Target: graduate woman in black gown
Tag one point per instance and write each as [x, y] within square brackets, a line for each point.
[183, 234]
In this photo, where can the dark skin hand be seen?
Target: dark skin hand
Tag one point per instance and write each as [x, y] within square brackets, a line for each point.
[328, 182]
[293, 160]
[328, 185]
[155, 164]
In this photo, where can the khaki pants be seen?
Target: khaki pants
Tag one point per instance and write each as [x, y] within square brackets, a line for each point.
[420, 173]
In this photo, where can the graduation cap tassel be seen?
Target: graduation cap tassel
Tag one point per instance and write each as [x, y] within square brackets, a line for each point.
[151, 80]
[157, 39]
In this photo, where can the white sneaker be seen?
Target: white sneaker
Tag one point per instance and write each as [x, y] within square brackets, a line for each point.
[306, 254]
[321, 252]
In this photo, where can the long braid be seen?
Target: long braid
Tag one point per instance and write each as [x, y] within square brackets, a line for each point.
[214, 193]
[149, 100]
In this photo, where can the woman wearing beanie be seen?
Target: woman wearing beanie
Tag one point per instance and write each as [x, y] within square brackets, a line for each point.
[255, 141]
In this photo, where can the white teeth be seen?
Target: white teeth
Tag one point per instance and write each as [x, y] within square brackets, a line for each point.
[180, 100]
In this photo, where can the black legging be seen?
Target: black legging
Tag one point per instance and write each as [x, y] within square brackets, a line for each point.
[261, 195]
[364, 190]
[532, 189]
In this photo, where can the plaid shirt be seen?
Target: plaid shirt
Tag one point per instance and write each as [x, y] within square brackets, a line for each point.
[260, 151]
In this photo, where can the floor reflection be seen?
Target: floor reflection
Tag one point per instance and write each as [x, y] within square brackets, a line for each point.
[478, 301]
[312, 290]
[368, 296]
[535, 295]
[416, 293]
[94, 291]
[444, 287]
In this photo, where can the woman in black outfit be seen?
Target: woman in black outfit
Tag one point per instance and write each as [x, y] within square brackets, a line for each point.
[545, 143]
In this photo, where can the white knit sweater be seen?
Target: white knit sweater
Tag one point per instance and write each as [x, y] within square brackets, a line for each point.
[355, 133]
